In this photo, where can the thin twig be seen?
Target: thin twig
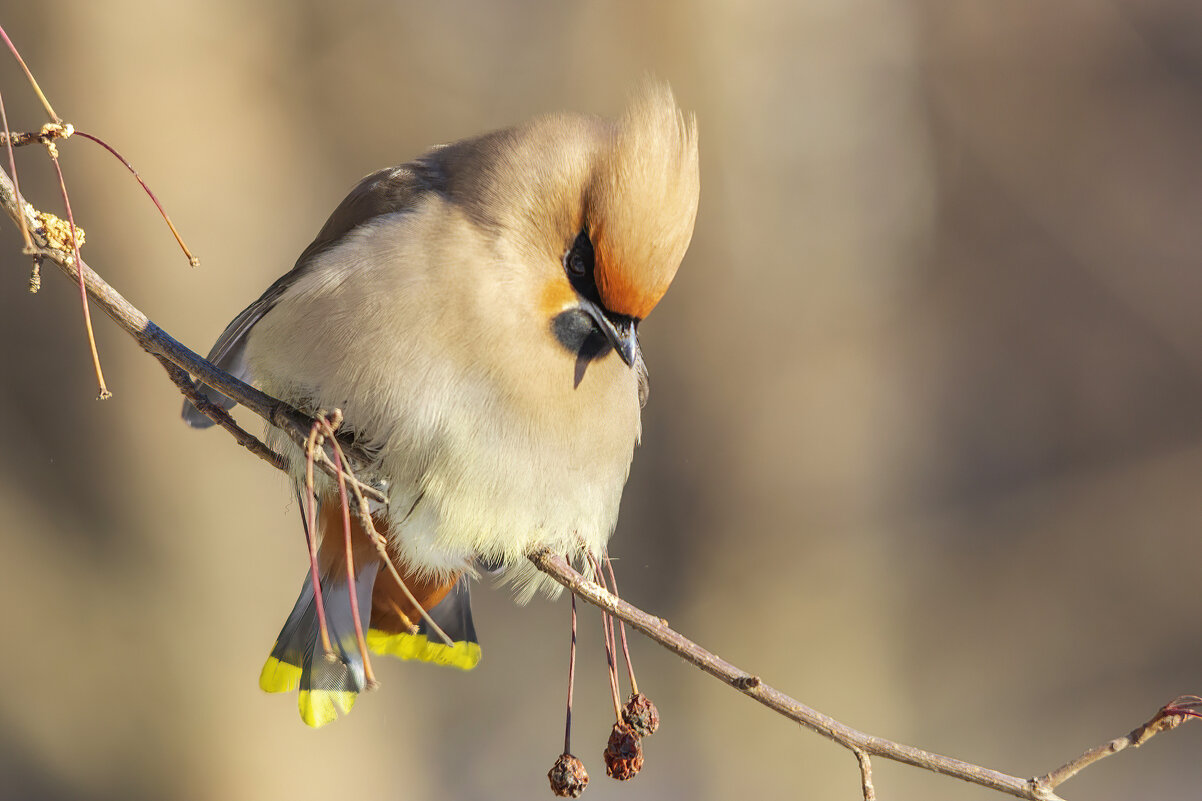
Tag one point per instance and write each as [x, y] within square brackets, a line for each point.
[192, 260]
[312, 446]
[567, 731]
[368, 674]
[865, 775]
[37, 90]
[12, 168]
[83, 292]
[381, 543]
[612, 664]
[613, 581]
[1169, 716]
[221, 417]
[607, 628]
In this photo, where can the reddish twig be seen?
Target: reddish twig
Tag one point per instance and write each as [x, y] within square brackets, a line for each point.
[613, 581]
[192, 260]
[37, 90]
[12, 168]
[381, 543]
[567, 733]
[83, 292]
[312, 447]
[330, 424]
[568, 776]
[607, 628]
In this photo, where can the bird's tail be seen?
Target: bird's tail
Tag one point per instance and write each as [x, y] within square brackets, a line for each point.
[453, 616]
[297, 660]
[327, 685]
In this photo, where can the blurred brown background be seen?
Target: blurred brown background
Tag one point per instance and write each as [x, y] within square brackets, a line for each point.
[923, 446]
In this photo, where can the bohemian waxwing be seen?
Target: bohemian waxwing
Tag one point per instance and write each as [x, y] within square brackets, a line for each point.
[474, 315]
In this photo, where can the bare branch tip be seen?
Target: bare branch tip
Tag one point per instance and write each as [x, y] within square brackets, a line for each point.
[1184, 706]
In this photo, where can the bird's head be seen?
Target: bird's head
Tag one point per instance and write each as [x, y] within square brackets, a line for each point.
[600, 212]
[631, 225]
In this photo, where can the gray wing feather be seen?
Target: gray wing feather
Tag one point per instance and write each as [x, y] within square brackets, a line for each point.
[299, 641]
[384, 192]
[347, 674]
[229, 351]
[453, 614]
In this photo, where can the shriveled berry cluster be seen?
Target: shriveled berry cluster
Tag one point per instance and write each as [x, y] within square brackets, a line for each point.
[624, 752]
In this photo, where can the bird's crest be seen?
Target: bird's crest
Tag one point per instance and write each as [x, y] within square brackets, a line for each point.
[643, 201]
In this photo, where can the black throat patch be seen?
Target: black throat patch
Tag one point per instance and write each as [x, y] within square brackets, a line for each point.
[578, 334]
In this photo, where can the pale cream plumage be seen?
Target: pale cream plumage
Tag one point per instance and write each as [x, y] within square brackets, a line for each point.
[443, 309]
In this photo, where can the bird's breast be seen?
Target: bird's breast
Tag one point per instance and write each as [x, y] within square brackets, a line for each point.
[539, 458]
[492, 436]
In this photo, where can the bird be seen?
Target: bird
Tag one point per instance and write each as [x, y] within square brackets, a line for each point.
[473, 314]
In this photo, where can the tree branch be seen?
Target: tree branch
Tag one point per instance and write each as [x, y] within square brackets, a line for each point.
[179, 362]
[1169, 716]
[752, 686]
[166, 348]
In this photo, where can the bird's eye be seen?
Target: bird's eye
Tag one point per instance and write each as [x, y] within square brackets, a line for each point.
[579, 261]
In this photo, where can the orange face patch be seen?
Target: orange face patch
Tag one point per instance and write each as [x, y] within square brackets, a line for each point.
[556, 295]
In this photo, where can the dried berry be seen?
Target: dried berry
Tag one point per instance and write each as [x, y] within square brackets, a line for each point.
[568, 777]
[624, 754]
[641, 715]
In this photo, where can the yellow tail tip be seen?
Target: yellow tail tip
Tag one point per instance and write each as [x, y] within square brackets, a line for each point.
[279, 677]
[319, 707]
[463, 655]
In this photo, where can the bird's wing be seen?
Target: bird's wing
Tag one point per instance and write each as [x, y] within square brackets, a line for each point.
[390, 190]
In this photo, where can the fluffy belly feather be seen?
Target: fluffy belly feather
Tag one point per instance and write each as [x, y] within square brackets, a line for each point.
[472, 474]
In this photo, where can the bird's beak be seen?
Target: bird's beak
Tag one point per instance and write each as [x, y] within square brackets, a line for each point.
[620, 330]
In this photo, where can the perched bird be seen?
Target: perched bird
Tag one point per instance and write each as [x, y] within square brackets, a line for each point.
[474, 316]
